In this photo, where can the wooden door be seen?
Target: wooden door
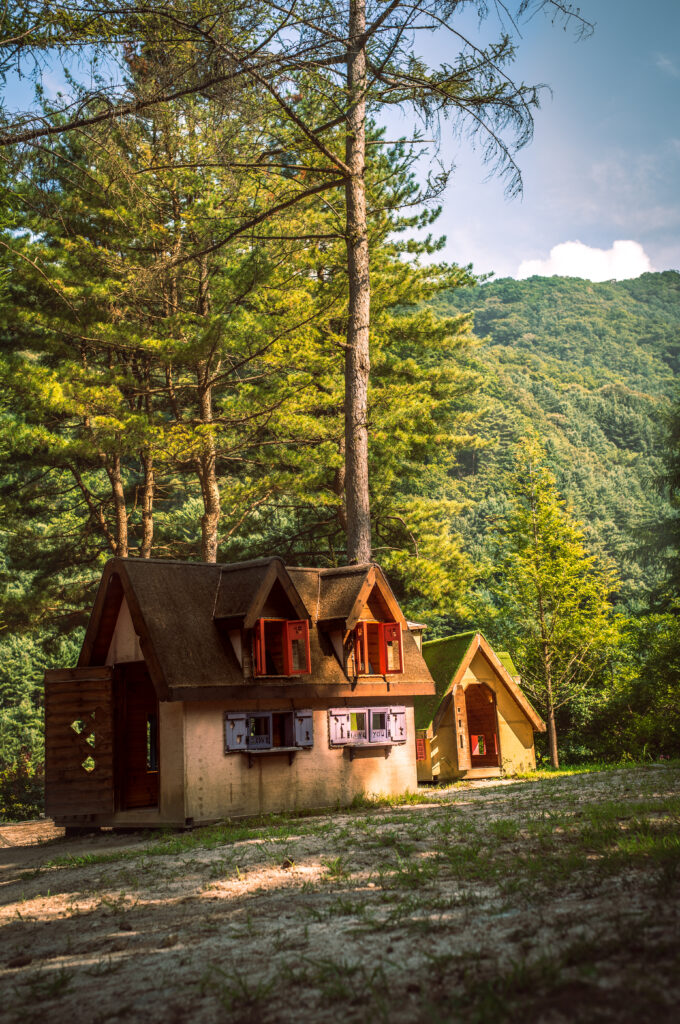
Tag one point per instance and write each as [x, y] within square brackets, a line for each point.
[137, 762]
[482, 726]
[79, 777]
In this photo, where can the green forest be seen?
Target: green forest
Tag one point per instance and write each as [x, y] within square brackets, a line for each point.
[585, 370]
[187, 322]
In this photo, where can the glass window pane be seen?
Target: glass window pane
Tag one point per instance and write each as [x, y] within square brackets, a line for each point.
[392, 654]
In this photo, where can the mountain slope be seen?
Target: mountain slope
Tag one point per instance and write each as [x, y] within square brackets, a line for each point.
[591, 367]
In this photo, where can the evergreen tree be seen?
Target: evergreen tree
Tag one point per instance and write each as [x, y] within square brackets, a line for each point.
[555, 594]
[326, 68]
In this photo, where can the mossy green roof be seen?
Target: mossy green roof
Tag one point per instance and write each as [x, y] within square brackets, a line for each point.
[443, 658]
[507, 663]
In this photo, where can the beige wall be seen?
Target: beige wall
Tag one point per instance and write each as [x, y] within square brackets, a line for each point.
[222, 785]
[443, 748]
[125, 644]
[515, 735]
[171, 760]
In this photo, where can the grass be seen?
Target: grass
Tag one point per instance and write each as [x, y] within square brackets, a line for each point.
[566, 771]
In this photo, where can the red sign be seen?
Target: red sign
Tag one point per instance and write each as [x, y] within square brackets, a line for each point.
[420, 750]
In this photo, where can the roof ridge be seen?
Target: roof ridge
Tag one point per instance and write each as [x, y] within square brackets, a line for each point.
[456, 636]
[346, 570]
[250, 563]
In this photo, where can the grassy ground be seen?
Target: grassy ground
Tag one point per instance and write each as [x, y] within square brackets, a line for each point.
[555, 899]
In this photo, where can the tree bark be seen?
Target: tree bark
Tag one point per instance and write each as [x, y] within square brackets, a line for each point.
[147, 505]
[207, 460]
[552, 737]
[357, 361]
[113, 469]
[548, 678]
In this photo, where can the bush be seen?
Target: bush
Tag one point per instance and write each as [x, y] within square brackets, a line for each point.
[22, 786]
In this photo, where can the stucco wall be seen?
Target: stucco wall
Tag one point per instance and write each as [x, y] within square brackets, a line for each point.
[222, 785]
[171, 760]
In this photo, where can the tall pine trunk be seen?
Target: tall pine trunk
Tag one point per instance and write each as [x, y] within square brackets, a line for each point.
[357, 362]
[147, 504]
[115, 475]
[207, 460]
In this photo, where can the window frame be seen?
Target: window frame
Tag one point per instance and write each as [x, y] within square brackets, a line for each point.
[362, 664]
[289, 629]
[302, 737]
[395, 714]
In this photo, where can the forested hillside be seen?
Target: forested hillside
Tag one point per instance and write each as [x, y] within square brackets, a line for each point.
[590, 368]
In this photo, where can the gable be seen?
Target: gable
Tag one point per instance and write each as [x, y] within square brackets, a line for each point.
[253, 590]
[125, 643]
[449, 661]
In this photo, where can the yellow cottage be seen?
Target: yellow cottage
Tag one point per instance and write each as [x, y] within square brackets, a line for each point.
[479, 724]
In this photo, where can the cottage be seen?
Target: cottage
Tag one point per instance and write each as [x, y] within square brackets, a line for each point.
[204, 691]
[479, 724]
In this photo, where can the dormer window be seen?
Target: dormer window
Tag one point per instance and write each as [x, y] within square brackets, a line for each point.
[281, 647]
[378, 648]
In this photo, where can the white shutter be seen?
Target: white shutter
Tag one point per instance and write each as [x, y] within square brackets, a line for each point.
[338, 726]
[397, 720]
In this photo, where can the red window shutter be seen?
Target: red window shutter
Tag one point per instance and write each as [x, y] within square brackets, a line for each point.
[360, 652]
[260, 659]
[420, 749]
[391, 651]
[297, 661]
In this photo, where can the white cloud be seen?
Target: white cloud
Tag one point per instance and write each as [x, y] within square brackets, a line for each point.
[667, 65]
[625, 259]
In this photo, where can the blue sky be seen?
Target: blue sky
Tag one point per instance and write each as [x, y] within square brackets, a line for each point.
[605, 161]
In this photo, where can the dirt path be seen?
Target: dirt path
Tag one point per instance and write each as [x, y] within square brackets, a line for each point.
[551, 901]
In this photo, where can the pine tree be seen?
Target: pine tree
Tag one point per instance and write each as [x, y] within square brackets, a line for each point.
[346, 58]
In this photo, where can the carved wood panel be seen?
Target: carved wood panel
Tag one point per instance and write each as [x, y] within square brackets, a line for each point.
[79, 744]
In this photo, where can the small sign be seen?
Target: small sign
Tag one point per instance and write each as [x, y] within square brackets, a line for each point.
[420, 750]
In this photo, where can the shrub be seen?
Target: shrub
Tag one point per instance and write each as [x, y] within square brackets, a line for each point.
[22, 785]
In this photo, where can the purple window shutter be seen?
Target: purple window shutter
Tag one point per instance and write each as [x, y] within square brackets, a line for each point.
[304, 728]
[338, 726]
[398, 725]
[235, 732]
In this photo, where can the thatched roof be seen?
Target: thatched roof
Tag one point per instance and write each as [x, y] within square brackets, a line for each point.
[183, 611]
[448, 659]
